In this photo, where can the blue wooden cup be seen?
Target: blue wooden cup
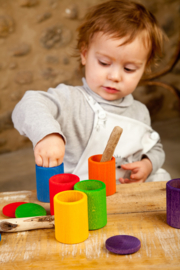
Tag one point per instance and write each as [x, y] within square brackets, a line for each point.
[43, 174]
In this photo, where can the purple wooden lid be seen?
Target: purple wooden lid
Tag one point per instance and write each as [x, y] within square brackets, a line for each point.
[123, 244]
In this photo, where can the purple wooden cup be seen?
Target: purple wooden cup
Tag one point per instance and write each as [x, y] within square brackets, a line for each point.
[173, 202]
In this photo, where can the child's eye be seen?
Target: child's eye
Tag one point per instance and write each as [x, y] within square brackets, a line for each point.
[129, 69]
[102, 63]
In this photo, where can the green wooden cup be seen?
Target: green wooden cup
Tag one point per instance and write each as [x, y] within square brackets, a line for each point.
[97, 211]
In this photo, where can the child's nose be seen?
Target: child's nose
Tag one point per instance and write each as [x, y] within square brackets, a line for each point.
[115, 75]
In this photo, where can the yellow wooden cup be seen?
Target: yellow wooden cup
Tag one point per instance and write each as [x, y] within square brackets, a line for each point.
[71, 217]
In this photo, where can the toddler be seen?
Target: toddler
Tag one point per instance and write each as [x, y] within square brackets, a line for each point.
[117, 42]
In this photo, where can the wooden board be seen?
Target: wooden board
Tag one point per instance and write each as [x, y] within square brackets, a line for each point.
[130, 212]
[133, 198]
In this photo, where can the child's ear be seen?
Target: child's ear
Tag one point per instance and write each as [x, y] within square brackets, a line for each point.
[83, 55]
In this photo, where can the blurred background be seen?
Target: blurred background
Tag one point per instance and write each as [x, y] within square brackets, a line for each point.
[37, 40]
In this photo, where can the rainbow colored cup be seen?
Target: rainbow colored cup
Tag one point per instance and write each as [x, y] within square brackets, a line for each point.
[97, 211]
[43, 174]
[103, 171]
[71, 217]
[59, 183]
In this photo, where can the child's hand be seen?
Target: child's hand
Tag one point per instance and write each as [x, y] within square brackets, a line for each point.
[49, 152]
[140, 170]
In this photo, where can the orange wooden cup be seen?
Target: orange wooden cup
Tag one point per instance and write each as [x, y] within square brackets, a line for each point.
[103, 171]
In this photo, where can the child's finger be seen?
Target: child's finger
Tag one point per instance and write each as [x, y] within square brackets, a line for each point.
[136, 176]
[121, 180]
[38, 160]
[45, 162]
[130, 181]
[126, 181]
[129, 166]
[53, 163]
[59, 161]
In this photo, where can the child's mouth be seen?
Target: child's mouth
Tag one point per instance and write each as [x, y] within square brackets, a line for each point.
[110, 89]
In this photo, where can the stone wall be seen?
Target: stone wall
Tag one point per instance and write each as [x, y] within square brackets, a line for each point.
[37, 40]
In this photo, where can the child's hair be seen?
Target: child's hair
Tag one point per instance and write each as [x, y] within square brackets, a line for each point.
[122, 18]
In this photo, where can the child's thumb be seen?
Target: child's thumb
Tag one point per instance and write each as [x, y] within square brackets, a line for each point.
[129, 166]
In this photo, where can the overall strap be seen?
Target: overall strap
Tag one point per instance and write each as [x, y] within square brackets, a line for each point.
[100, 113]
[94, 105]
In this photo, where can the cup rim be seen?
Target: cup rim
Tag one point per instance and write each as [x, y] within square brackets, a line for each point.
[91, 190]
[84, 197]
[48, 168]
[168, 184]
[98, 162]
[74, 176]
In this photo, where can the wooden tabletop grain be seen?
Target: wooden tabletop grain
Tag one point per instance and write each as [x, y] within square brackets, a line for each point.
[136, 209]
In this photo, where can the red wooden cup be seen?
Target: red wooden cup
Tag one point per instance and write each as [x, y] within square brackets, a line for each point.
[61, 182]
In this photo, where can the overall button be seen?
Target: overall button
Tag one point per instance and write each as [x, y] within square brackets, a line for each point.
[102, 115]
[91, 100]
[154, 136]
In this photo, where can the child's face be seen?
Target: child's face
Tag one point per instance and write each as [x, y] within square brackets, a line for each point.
[113, 70]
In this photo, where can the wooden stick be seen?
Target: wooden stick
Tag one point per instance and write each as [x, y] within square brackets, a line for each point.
[26, 224]
[111, 144]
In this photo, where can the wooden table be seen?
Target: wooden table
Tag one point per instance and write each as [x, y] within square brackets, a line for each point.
[136, 209]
